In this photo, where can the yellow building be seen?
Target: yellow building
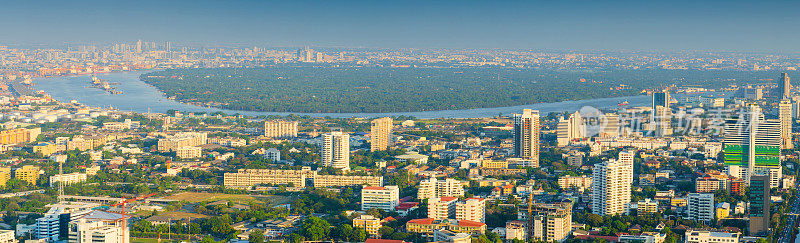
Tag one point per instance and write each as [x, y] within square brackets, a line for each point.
[723, 213]
[424, 225]
[429, 226]
[494, 164]
[5, 175]
[14, 136]
[45, 148]
[27, 173]
[381, 134]
[369, 223]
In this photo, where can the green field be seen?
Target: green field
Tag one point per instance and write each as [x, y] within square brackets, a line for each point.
[195, 197]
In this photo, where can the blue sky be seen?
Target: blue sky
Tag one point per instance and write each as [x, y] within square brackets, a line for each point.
[771, 26]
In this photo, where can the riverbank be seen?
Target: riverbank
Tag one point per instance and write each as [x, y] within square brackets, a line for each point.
[141, 97]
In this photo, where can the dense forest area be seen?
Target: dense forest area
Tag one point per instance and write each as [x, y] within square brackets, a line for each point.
[334, 89]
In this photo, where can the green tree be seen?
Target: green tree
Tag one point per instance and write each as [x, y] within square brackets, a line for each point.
[315, 228]
[296, 238]
[257, 236]
[359, 235]
[343, 232]
[385, 231]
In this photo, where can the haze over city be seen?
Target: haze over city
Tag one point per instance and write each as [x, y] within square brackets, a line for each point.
[399, 121]
[555, 25]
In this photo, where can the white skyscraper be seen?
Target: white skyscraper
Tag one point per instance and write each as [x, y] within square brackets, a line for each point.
[611, 185]
[526, 135]
[336, 150]
[570, 128]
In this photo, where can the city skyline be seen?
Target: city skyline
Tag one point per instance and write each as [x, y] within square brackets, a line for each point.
[563, 25]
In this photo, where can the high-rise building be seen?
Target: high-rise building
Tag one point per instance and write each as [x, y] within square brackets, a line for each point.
[759, 204]
[611, 185]
[432, 187]
[700, 206]
[752, 143]
[442, 207]
[662, 114]
[612, 127]
[473, 209]
[380, 197]
[785, 86]
[661, 99]
[526, 135]
[305, 55]
[662, 121]
[785, 114]
[381, 134]
[280, 129]
[570, 128]
[336, 150]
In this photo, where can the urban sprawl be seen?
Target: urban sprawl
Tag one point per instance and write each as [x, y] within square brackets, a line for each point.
[704, 168]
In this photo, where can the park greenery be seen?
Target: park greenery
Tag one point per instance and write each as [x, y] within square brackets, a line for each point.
[337, 89]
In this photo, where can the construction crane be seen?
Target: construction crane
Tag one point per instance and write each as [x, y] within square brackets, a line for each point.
[126, 201]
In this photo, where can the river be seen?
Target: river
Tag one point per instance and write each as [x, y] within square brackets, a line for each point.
[140, 97]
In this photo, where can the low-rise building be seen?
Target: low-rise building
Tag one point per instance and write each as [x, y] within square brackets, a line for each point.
[444, 235]
[27, 173]
[369, 223]
[385, 197]
[45, 148]
[646, 206]
[7, 236]
[581, 183]
[67, 179]
[700, 206]
[696, 236]
[189, 152]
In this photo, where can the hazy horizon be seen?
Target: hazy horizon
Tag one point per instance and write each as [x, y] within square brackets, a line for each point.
[668, 26]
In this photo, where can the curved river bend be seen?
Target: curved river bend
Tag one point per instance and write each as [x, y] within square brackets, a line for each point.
[141, 97]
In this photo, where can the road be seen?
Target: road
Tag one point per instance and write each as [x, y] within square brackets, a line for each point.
[792, 212]
[20, 194]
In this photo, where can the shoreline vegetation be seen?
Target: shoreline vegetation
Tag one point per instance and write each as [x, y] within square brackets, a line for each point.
[336, 89]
